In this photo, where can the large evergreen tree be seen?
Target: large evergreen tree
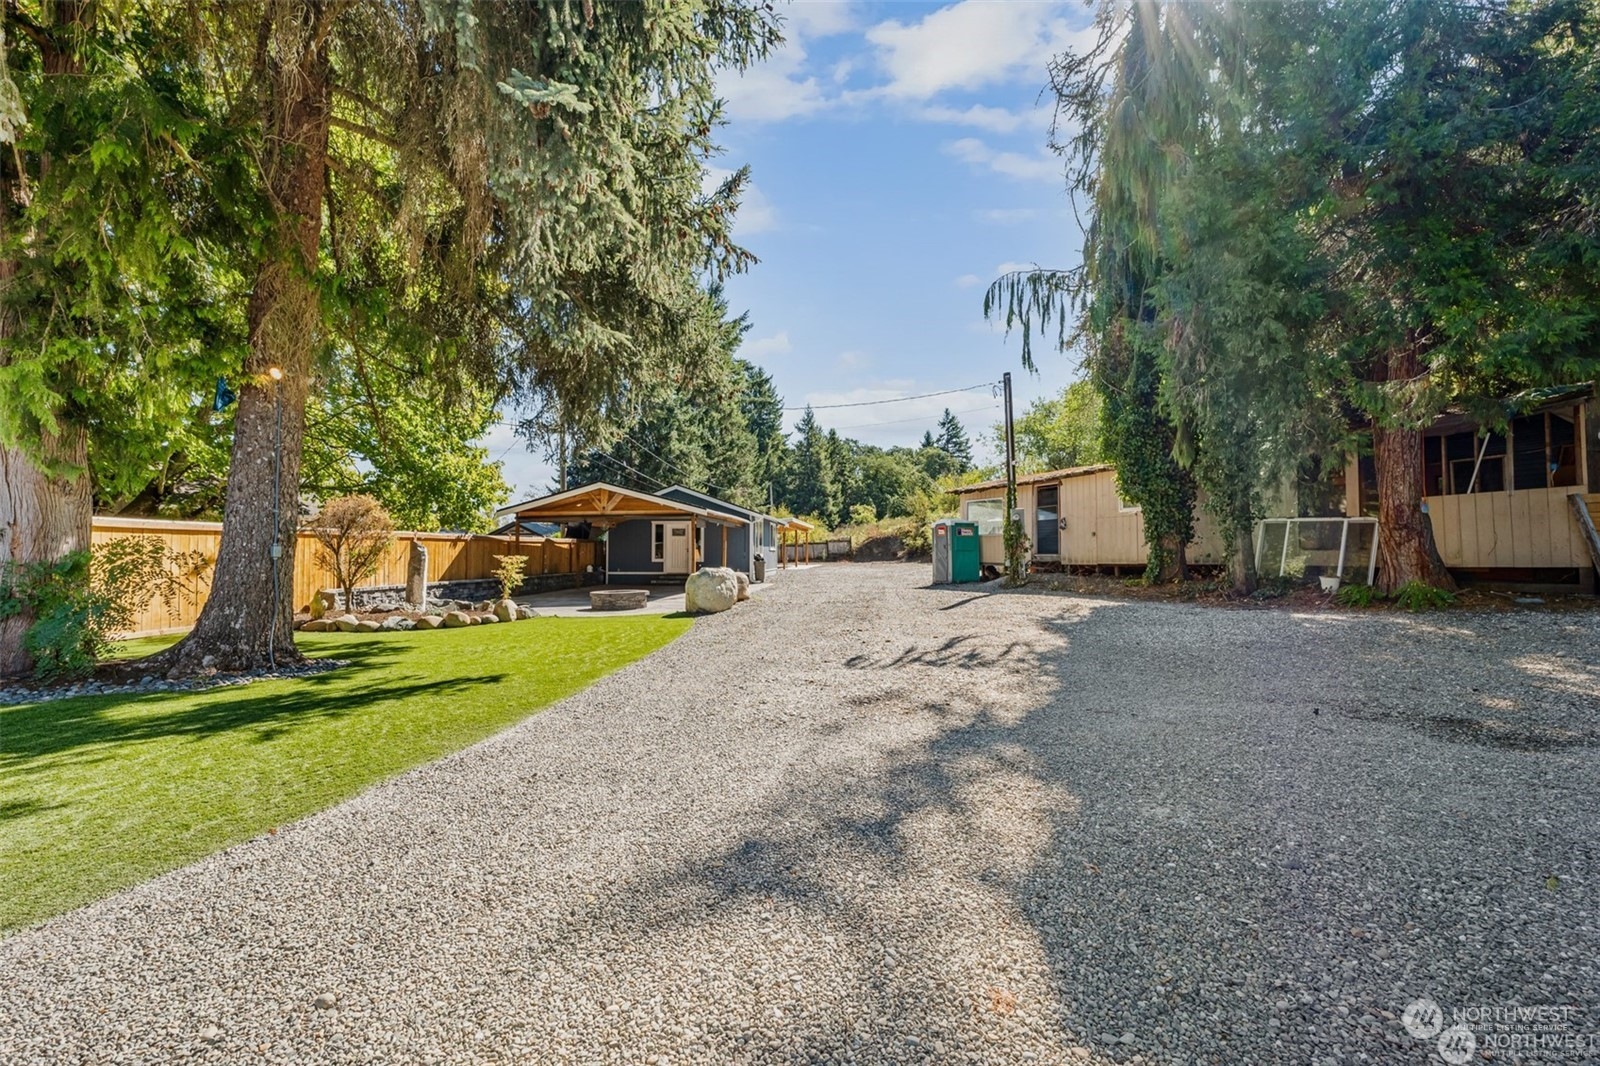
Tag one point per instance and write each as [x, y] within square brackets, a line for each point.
[117, 178]
[812, 488]
[543, 164]
[953, 441]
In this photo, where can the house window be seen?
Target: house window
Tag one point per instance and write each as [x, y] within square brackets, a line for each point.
[1124, 506]
[658, 542]
[1544, 450]
[1454, 464]
[989, 514]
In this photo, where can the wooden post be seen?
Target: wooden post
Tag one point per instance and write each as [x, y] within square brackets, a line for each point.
[724, 545]
[692, 552]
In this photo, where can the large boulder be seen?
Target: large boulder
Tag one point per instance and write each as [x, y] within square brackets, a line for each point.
[397, 623]
[457, 619]
[323, 603]
[430, 621]
[485, 619]
[318, 625]
[368, 626]
[417, 574]
[347, 623]
[524, 613]
[744, 584]
[716, 588]
[506, 610]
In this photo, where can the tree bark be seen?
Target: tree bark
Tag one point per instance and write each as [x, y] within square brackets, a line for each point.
[46, 499]
[247, 622]
[1406, 548]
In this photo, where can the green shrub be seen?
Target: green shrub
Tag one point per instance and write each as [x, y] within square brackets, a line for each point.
[863, 514]
[81, 602]
[509, 573]
[1421, 596]
[1357, 595]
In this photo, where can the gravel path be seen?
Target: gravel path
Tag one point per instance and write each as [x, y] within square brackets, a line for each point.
[863, 820]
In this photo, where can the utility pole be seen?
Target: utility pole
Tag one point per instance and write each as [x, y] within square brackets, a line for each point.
[1013, 528]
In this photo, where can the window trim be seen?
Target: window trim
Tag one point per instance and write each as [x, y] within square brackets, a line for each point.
[658, 542]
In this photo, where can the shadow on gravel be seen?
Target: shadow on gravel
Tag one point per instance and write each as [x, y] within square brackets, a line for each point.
[1204, 866]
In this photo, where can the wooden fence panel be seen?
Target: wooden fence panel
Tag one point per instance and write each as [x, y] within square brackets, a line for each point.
[451, 557]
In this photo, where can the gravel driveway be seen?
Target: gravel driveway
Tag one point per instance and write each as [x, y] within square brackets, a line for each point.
[864, 820]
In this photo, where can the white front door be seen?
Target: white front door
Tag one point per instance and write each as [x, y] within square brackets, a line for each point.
[677, 554]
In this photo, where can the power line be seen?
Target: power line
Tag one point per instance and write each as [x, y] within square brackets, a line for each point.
[896, 399]
[919, 418]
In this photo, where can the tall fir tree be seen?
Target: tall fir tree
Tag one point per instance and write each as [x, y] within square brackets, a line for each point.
[953, 441]
[812, 489]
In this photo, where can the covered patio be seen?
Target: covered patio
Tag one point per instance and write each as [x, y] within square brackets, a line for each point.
[604, 507]
[790, 532]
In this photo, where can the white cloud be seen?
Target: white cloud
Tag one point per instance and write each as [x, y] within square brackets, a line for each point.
[817, 18]
[774, 89]
[974, 152]
[972, 44]
[1010, 267]
[766, 347]
[993, 119]
[781, 87]
[1008, 216]
[967, 281]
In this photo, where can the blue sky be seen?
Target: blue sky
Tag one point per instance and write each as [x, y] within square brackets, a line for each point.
[899, 165]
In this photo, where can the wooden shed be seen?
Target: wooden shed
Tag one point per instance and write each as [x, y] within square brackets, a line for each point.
[1073, 517]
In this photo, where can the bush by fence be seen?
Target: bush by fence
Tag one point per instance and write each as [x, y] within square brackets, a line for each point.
[451, 557]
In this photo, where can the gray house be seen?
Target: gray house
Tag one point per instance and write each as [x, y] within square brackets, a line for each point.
[650, 537]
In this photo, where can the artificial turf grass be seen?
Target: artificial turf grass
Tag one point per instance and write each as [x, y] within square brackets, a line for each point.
[103, 792]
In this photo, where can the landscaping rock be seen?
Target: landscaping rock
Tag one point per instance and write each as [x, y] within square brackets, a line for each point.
[485, 619]
[324, 603]
[397, 624]
[524, 613]
[347, 623]
[326, 1001]
[486, 605]
[457, 619]
[429, 621]
[506, 610]
[714, 589]
[318, 625]
[618, 599]
[368, 626]
[744, 584]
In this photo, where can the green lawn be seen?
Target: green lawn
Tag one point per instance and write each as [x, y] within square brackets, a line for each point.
[102, 792]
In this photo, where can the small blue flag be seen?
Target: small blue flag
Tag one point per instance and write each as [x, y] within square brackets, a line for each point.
[224, 396]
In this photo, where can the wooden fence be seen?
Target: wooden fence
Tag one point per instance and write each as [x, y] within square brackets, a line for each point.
[451, 557]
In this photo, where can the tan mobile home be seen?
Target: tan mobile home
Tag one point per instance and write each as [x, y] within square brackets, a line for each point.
[1073, 517]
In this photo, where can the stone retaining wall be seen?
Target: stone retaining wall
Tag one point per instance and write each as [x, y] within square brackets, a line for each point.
[474, 590]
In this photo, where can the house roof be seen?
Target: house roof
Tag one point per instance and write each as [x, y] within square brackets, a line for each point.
[605, 504]
[1459, 417]
[1033, 479]
[718, 504]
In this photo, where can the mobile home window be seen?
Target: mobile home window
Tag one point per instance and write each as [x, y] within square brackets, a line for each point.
[989, 514]
[1544, 450]
[658, 542]
[1449, 462]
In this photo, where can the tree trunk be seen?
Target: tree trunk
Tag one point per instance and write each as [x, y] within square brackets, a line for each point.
[1242, 576]
[46, 499]
[1406, 548]
[45, 518]
[1176, 567]
[247, 622]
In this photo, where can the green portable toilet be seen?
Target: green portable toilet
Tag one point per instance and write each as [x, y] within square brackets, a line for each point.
[965, 563]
